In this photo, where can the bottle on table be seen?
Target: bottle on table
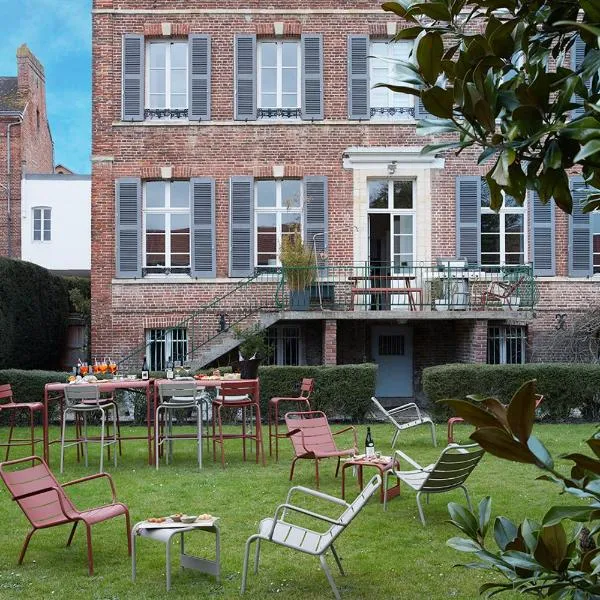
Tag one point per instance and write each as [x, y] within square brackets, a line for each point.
[369, 444]
[145, 370]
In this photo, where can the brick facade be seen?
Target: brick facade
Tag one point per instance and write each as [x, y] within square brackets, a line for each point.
[23, 123]
[223, 147]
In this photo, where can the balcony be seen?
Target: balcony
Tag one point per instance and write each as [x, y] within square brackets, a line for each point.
[447, 288]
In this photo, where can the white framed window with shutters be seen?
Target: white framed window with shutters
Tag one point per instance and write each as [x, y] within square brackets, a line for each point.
[506, 344]
[42, 224]
[166, 79]
[278, 205]
[166, 345]
[166, 227]
[279, 80]
[383, 65]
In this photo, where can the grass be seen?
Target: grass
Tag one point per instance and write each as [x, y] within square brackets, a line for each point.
[385, 555]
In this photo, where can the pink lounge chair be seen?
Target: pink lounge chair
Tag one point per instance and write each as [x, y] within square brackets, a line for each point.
[313, 440]
[45, 504]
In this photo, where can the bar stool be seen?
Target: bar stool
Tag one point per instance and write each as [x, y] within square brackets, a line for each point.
[82, 400]
[12, 408]
[306, 389]
[177, 396]
[234, 396]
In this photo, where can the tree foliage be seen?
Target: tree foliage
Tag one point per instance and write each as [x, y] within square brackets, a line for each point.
[546, 558]
[498, 76]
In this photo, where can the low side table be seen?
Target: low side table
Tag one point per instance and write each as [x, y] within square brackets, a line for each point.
[165, 532]
[382, 464]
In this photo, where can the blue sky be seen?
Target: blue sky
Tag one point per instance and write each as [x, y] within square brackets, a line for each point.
[59, 33]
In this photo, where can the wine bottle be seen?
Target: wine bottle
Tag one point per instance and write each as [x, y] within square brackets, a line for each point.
[169, 369]
[145, 370]
[369, 444]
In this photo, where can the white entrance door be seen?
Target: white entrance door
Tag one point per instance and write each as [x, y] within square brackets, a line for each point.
[392, 350]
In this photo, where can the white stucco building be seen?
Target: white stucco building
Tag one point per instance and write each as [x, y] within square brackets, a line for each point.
[56, 222]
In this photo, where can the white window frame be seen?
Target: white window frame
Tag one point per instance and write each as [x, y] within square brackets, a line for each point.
[392, 212]
[170, 337]
[595, 231]
[276, 336]
[506, 334]
[279, 209]
[279, 69]
[484, 210]
[394, 99]
[167, 210]
[168, 44]
[45, 217]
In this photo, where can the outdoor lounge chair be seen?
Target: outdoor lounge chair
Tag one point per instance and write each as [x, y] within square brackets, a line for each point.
[45, 504]
[449, 472]
[312, 439]
[281, 531]
[500, 293]
[412, 417]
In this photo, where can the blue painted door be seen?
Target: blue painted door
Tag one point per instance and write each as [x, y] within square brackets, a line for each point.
[392, 350]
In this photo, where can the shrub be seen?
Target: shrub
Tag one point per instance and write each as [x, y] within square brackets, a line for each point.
[34, 308]
[565, 386]
[340, 390]
[79, 291]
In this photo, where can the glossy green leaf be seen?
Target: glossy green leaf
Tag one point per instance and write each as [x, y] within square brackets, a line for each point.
[484, 511]
[521, 411]
[408, 33]
[472, 413]
[592, 10]
[556, 514]
[590, 149]
[540, 452]
[430, 49]
[498, 442]
[435, 127]
[552, 546]
[594, 444]
[463, 518]
[435, 11]
[505, 531]
[585, 462]
[399, 89]
[463, 544]
[438, 102]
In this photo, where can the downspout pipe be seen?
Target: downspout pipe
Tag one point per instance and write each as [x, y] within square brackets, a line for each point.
[9, 178]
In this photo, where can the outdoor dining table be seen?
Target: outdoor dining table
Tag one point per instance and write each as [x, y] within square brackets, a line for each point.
[55, 391]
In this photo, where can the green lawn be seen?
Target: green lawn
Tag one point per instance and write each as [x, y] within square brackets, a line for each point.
[385, 555]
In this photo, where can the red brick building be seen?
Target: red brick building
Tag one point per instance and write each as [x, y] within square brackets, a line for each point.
[217, 130]
[25, 142]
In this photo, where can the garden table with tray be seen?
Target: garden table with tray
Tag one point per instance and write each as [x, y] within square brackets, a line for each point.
[381, 463]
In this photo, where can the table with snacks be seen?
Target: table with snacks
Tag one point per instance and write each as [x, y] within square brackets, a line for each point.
[210, 381]
[55, 391]
[381, 463]
[164, 529]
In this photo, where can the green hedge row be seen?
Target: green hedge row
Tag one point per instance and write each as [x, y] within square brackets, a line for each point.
[340, 391]
[565, 386]
[34, 308]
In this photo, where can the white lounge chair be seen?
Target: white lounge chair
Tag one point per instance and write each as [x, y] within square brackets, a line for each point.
[449, 472]
[404, 417]
[296, 537]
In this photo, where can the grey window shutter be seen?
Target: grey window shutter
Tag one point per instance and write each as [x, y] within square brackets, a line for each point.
[577, 56]
[358, 77]
[199, 77]
[128, 236]
[580, 231]
[241, 232]
[312, 76]
[245, 76]
[133, 77]
[542, 230]
[315, 212]
[468, 218]
[203, 255]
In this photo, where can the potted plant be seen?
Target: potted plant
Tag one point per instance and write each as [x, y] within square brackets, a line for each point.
[299, 268]
[254, 348]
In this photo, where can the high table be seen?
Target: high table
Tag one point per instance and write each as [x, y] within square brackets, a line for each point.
[210, 383]
[55, 391]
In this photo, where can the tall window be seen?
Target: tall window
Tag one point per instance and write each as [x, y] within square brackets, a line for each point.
[503, 233]
[279, 82]
[506, 345]
[163, 345]
[383, 65]
[42, 224]
[167, 227]
[286, 343]
[596, 242]
[166, 79]
[278, 205]
[391, 221]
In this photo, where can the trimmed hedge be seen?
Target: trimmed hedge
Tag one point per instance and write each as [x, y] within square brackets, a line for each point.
[565, 386]
[34, 309]
[340, 391]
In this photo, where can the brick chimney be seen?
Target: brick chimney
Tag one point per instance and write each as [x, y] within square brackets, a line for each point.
[29, 69]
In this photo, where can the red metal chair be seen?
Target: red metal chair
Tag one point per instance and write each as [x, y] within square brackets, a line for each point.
[306, 389]
[500, 293]
[12, 408]
[238, 397]
[45, 504]
[312, 439]
[453, 420]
